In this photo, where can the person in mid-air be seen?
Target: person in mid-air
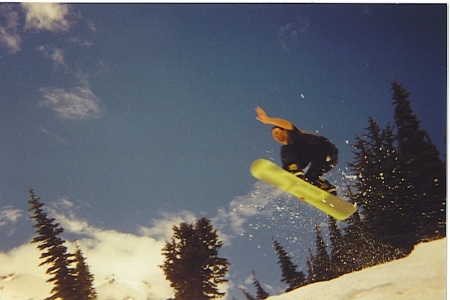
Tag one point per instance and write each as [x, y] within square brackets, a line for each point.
[300, 149]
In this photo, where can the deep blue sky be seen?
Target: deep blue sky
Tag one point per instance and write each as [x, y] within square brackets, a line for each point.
[134, 111]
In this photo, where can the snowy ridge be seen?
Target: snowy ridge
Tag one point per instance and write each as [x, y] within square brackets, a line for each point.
[421, 275]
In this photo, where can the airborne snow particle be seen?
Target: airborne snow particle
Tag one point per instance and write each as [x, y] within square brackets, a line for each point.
[303, 96]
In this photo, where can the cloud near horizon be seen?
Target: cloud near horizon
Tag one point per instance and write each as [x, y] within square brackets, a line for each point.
[124, 264]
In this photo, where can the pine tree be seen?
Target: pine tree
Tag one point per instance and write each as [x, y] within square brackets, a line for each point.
[260, 292]
[247, 295]
[360, 248]
[375, 166]
[54, 252]
[290, 276]
[352, 237]
[337, 252]
[423, 170]
[84, 280]
[379, 188]
[191, 263]
[320, 264]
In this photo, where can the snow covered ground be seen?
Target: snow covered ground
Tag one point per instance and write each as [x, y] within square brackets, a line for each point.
[421, 275]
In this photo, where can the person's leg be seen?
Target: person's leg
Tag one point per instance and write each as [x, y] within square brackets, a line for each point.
[293, 160]
[321, 164]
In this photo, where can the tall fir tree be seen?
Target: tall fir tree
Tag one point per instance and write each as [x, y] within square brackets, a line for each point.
[54, 252]
[337, 251]
[293, 278]
[353, 236]
[320, 264]
[309, 265]
[191, 261]
[247, 295]
[374, 166]
[261, 294]
[422, 168]
[360, 248]
[378, 188]
[84, 279]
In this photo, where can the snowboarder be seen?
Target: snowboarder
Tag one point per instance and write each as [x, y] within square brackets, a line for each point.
[301, 148]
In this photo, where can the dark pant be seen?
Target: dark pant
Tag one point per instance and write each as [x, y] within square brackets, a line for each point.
[321, 159]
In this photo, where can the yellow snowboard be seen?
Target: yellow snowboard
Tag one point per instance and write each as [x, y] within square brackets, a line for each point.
[271, 173]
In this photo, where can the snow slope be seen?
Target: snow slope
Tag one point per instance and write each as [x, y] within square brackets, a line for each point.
[421, 275]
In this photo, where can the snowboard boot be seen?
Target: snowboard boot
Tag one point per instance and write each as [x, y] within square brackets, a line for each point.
[323, 184]
[293, 169]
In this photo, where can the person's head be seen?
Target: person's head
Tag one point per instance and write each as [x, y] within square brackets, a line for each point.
[280, 135]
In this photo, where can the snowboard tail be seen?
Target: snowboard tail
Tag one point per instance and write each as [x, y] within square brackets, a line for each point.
[273, 174]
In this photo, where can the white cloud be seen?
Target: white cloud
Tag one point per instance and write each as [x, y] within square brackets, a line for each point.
[133, 259]
[9, 34]
[124, 265]
[55, 54]
[46, 16]
[129, 262]
[10, 215]
[20, 276]
[78, 103]
[258, 202]
[54, 17]
[162, 228]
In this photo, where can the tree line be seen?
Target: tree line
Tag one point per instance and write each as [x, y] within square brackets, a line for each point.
[400, 192]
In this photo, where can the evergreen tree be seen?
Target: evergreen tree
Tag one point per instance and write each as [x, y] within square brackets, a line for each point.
[247, 295]
[352, 237]
[309, 265]
[423, 170]
[54, 252]
[337, 252]
[290, 276]
[378, 188]
[260, 292]
[320, 264]
[84, 280]
[191, 263]
[399, 189]
[375, 166]
[360, 248]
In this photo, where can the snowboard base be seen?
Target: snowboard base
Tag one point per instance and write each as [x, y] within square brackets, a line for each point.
[273, 174]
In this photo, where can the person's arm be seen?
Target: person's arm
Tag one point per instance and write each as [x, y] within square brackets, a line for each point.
[264, 118]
